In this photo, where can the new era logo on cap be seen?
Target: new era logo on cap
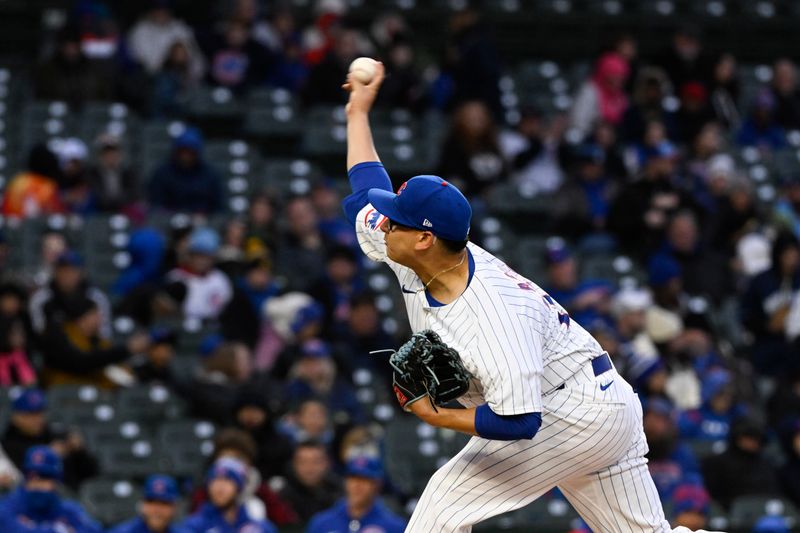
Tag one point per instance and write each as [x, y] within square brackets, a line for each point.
[427, 223]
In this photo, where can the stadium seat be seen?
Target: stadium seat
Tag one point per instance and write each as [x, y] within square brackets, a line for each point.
[100, 434]
[66, 396]
[132, 459]
[111, 501]
[149, 404]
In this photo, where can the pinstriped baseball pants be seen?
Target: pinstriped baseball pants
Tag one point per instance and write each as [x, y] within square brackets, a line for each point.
[591, 446]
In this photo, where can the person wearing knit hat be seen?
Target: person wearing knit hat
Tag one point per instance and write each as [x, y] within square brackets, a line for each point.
[690, 505]
[156, 510]
[361, 509]
[712, 421]
[223, 512]
[36, 505]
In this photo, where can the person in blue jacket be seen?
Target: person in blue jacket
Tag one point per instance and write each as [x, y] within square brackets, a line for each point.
[36, 506]
[712, 421]
[156, 510]
[223, 513]
[361, 510]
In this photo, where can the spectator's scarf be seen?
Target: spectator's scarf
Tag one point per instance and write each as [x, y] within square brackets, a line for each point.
[613, 101]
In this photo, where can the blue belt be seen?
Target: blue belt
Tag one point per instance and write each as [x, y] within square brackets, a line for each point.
[600, 364]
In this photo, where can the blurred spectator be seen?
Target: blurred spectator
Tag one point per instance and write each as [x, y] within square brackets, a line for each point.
[696, 260]
[15, 337]
[336, 287]
[291, 319]
[208, 290]
[690, 506]
[37, 505]
[602, 97]
[149, 303]
[724, 92]
[155, 366]
[742, 469]
[252, 414]
[761, 129]
[48, 306]
[74, 351]
[314, 376]
[70, 76]
[241, 320]
[225, 481]
[638, 359]
[670, 461]
[262, 222]
[473, 61]
[765, 305]
[237, 61]
[470, 155]
[403, 88]
[29, 427]
[53, 244]
[786, 93]
[76, 193]
[651, 88]
[157, 509]
[533, 151]
[34, 192]
[787, 208]
[310, 486]
[695, 110]
[712, 421]
[257, 497]
[327, 203]
[231, 254]
[225, 368]
[324, 83]
[301, 251]
[580, 209]
[310, 420]
[639, 215]
[361, 507]
[10, 476]
[564, 285]
[114, 185]
[363, 334]
[685, 60]
[146, 250]
[173, 82]
[784, 403]
[703, 160]
[150, 39]
[789, 474]
[186, 182]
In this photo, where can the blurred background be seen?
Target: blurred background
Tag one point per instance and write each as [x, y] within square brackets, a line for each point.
[178, 284]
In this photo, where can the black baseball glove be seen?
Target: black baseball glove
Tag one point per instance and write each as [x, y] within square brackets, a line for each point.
[425, 363]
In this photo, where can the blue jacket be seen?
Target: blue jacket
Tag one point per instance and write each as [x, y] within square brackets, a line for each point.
[146, 249]
[137, 525]
[66, 517]
[209, 520]
[379, 519]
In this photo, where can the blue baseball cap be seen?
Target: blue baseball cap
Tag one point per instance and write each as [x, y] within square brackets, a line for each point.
[41, 461]
[690, 497]
[70, 258]
[210, 343]
[661, 270]
[228, 468]
[315, 348]
[30, 401]
[160, 488]
[365, 466]
[771, 524]
[204, 241]
[191, 138]
[426, 203]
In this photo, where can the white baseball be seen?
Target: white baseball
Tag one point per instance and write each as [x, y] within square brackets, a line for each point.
[363, 69]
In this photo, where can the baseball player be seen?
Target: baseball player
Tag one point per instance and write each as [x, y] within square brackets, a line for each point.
[545, 406]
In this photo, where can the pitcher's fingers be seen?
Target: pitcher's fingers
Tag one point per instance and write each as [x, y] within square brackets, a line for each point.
[380, 72]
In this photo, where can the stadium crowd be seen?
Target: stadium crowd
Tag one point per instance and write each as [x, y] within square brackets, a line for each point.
[644, 162]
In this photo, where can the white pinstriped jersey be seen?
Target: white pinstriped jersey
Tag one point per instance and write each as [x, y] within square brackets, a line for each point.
[514, 338]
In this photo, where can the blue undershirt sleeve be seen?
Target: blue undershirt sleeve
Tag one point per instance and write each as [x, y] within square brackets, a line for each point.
[490, 425]
[363, 177]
